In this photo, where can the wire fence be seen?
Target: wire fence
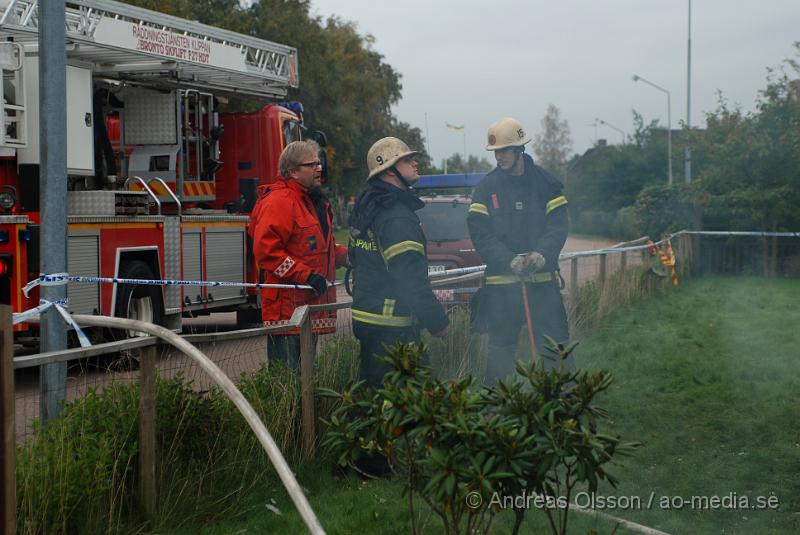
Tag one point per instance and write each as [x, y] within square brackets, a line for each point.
[594, 283]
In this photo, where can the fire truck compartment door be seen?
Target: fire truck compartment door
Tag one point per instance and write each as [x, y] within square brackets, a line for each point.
[80, 136]
[225, 260]
[83, 254]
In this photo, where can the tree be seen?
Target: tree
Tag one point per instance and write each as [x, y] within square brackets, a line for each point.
[346, 87]
[553, 146]
[751, 162]
[414, 139]
[473, 164]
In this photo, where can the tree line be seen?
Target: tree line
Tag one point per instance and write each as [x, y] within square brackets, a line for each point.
[745, 167]
[346, 87]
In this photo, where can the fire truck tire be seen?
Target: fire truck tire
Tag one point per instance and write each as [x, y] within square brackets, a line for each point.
[139, 302]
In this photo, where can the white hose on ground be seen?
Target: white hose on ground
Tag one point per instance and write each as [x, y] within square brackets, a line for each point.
[222, 380]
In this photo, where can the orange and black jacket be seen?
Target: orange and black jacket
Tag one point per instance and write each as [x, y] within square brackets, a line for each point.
[510, 215]
[388, 252]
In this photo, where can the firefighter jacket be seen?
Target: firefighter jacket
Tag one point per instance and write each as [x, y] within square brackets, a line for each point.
[292, 231]
[390, 264]
[510, 215]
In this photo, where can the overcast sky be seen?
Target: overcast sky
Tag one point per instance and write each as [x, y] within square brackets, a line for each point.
[470, 62]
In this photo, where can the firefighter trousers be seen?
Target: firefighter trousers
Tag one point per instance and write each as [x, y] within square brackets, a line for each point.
[374, 340]
[506, 316]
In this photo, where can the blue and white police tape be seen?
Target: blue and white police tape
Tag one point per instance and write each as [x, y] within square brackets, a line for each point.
[59, 305]
[63, 278]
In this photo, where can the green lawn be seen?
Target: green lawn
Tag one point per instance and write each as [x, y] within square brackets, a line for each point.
[349, 505]
[707, 377]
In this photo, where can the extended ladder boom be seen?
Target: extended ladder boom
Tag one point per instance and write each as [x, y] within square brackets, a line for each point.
[131, 43]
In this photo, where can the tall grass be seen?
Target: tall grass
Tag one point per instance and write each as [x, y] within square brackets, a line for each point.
[463, 352]
[460, 352]
[78, 474]
[593, 302]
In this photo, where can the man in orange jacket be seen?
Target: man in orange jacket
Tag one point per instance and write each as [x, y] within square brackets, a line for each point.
[292, 230]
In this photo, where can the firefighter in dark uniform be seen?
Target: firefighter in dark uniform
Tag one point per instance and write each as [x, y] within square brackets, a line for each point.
[392, 296]
[518, 223]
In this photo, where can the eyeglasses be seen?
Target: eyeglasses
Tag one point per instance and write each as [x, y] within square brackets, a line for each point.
[310, 164]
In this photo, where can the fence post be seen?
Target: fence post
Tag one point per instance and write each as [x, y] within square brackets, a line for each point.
[573, 282]
[765, 255]
[697, 251]
[623, 260]
[147, 430]
[8, 488]
[603, 267]
[688, 266]
[773, 265]
[307, 385]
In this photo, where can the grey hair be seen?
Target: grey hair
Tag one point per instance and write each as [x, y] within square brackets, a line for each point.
[294, 154]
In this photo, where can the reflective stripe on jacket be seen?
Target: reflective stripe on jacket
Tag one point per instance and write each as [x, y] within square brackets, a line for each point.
[288, 246]
[390, 264]
[510, 215]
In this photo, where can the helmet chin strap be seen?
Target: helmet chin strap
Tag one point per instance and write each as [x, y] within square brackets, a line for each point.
[517, 155]
[399, 175]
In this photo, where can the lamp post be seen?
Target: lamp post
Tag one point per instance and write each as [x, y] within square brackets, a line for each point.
[688, 152]
[606, 123]
[637, 78]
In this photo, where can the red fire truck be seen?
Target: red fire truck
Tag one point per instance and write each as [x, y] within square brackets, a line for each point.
[160, 182]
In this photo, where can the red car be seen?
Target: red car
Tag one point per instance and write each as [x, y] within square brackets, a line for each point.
[444, 220]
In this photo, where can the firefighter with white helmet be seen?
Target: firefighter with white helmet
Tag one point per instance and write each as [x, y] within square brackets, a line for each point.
[518, 223]
[392, 296]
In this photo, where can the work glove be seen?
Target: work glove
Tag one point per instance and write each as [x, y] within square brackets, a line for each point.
[318, 283]
[527, 264]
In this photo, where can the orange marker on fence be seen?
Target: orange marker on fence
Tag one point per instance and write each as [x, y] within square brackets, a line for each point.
[667, 258]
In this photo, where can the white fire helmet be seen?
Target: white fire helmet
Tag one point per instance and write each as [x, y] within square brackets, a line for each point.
[506, 132]
[386, 152]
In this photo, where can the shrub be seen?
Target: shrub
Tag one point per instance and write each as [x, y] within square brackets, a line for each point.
[469, 453]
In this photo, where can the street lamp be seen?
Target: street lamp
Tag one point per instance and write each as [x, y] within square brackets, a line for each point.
[612, 127]
[687, 170]
[637, 78]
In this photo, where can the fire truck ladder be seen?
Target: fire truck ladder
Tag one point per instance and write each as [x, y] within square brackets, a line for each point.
[131, 43]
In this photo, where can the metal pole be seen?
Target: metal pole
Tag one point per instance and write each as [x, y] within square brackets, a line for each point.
[428, 136]
[621, 133]
[8, 486]
[637, 78]
[688, 151]
[464, 137]
[669, 140]
[53, 185]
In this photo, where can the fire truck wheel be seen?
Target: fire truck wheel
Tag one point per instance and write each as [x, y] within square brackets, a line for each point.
[138, 302]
